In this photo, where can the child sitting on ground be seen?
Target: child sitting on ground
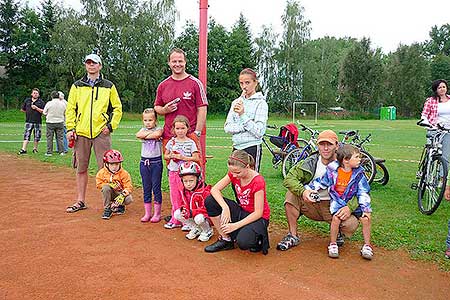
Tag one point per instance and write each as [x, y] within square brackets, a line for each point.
[115, 184]
[346, 179]
[192, 211]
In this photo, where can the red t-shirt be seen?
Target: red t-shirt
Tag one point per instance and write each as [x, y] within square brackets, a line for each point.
[192, 95]
[246, 194]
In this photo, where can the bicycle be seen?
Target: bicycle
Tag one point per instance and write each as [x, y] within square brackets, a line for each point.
[284, 146]
[432, 170]
[368, 162]
[305, 149]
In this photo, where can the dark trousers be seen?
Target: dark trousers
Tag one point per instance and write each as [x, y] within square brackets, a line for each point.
[56, 129]
[151, 174]
[249, 236]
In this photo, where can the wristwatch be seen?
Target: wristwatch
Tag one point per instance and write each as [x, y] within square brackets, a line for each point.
[197, 133]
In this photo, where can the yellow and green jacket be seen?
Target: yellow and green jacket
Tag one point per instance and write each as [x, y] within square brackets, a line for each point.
[91, 108]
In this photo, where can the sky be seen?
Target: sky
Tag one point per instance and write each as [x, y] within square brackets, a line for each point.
[386, 22]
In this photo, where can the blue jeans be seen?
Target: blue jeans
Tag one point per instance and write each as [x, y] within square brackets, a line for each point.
[65, 143]
[448, 235]
[151, 174]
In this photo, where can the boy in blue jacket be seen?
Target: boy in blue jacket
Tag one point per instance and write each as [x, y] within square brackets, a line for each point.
[345, 180]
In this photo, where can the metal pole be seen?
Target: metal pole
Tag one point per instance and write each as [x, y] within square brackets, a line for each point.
[202, 66]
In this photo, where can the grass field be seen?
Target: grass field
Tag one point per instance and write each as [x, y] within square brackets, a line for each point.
[397, 223]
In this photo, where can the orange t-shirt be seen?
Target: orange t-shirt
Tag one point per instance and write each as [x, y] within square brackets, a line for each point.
[343, 178]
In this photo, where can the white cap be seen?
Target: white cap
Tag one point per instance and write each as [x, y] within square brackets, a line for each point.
[94, 57]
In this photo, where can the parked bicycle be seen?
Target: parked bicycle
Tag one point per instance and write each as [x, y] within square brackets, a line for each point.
[282, 144]
[374, 168]
[304, 149]
[432, 170]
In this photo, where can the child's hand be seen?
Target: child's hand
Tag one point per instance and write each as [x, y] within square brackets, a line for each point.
[176, 156]
[447, 193]
[239, 107]
[185, 213]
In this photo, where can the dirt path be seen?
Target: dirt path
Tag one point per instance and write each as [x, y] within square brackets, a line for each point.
[49, 254]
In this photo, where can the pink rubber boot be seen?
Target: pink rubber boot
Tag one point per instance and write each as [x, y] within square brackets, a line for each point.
[156, 214]
[148, 212]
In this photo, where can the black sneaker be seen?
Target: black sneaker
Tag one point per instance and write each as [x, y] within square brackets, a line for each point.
[107, 213]
[120, 210]
[22, 152]
[219, 245]
[340, 240]
[35, 151]
[258, 246]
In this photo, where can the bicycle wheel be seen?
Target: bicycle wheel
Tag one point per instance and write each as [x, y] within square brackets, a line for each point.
[432, 185]
[382, 174]
[368, 164]
[292, 158]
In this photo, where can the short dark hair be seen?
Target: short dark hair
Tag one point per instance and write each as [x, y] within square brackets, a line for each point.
[345, 152]
[54, 95]
[176, 50]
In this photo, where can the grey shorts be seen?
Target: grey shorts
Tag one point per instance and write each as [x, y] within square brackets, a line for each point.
[29, 128]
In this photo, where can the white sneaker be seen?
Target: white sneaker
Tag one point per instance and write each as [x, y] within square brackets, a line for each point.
[194, 233]
[333, 250]
[367, 252]
[186, 227]
[206, 235]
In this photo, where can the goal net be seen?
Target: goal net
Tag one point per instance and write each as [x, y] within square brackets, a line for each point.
[304, 110]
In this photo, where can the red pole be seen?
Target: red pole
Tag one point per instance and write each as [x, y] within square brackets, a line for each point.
[202, 66]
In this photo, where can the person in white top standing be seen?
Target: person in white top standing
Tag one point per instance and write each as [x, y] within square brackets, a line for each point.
[54, 111]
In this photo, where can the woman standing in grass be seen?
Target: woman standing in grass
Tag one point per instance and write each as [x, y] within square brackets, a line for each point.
[437, 111]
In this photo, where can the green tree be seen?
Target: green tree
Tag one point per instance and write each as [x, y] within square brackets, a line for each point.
[265, 53]
[439, 42]
[323, 60]
[290, 58]
[361, 77]
[9, 12]
[440, 67]
[408, 74]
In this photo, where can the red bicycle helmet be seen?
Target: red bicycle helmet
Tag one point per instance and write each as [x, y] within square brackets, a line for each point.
[112, 156]
[190, 168]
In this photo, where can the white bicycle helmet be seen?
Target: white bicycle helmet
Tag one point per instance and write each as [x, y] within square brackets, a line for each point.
[190, 168]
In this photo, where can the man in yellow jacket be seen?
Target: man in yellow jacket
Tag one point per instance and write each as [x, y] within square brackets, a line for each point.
[93, 111]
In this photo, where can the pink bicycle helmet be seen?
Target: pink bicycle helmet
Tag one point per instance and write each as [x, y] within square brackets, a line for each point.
[190, 168]
[112, 156]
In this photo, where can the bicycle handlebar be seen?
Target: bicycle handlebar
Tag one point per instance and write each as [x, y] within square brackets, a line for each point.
[272, 126]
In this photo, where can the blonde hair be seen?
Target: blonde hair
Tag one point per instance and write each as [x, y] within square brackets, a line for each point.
[240, 158]
[150, 111]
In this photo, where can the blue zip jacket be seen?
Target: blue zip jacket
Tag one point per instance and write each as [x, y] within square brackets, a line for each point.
[357, 186]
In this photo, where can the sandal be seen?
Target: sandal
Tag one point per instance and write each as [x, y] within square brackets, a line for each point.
[76, 207]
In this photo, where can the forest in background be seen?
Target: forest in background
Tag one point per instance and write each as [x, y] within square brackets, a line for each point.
[45, 46]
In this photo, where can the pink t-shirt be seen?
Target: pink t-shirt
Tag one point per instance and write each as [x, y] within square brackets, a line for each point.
[246, 194]
[192, 95]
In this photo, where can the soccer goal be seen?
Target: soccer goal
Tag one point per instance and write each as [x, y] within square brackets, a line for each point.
[304, 109]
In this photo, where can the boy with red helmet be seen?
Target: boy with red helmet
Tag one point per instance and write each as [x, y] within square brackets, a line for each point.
[115, 184]
[192, 211]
